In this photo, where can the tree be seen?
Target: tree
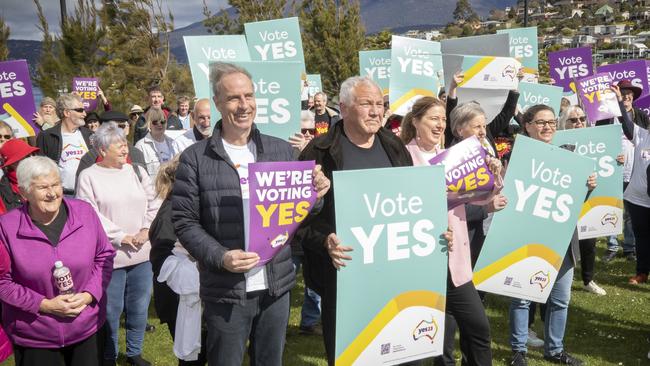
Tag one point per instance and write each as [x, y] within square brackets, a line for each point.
[48, 71]
[247, 11]
[379, 41]
[4, 37]
[464, 12]
[332, 36]
[139, 55]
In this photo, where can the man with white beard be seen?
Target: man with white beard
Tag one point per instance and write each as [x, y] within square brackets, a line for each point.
[67, 142]
[202, 127]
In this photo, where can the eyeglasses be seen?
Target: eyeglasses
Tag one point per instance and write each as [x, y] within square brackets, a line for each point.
[78, 110]
[577, 119]
[6, 137]
[122, 125]
[156, 123]
[552, 123]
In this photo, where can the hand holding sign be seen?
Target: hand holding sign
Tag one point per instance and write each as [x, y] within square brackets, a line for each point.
[337, 251]
[321, 182]
[238, 261]
[591, 182]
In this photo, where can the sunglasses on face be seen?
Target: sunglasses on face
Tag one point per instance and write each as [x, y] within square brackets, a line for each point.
[156, 123]
[122, 125]
[577, 119]
[6, 137]
[78, 110]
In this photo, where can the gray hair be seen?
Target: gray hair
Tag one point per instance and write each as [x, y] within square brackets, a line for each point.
[565, 116]
[220, 69]
[346, 94]
[322, 95]
[34, 167]
[108, 133]
[66, 101]
[462, 114]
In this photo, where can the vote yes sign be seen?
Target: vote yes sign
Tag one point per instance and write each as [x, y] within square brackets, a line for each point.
[277, 93]
[635, 71]
[416, 70]
[87, 89]
[527, 241]
[531, 94]
[524, 47]
[602, 213]
[16, 99]
[570, 64]
[598, 100]
[376, 65]
[393, 219]
[275, 40]
[281, 196]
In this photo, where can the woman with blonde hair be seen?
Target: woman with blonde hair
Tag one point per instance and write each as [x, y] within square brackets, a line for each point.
[156, 147]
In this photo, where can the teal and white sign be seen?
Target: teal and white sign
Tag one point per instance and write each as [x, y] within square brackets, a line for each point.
[393, 219]
[275, 40]
[277, 93]
[416, 71]
[314, 84]
[531, 94]
[488, 72]
[524, 47]
[202, 50]
[527, 240]
[602, 213]
[376, 65]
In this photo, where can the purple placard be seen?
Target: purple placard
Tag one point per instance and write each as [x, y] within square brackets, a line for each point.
[643, 104]
[87, 88]
[16, 99]
[568, 65]
[281, 196]
[635, 71]
[466, 171]
[598, 100]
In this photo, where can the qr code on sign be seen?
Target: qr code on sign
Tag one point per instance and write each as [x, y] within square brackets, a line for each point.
[385, 348]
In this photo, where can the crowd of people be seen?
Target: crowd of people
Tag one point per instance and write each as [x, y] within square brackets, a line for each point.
[129, 209]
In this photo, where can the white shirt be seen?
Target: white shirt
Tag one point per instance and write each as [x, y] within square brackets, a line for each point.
[241, 156]
[155, 153]
[184, 141]
[636, 191]
[185, 121]
[73, 148]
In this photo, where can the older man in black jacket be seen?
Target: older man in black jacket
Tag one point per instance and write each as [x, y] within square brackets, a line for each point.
[243, 301]
[358, 141]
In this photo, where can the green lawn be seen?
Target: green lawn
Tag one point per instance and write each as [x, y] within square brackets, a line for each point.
[608, 330]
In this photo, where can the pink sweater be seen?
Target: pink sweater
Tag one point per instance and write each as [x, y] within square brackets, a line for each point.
[124, 205]
[460, 260]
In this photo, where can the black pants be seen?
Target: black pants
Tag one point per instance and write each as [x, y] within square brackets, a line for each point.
[465, 310]
[587, 259]
[639, 216]
[531, 313]
[84, 353]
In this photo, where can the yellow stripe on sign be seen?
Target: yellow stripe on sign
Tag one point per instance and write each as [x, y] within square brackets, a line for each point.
[389, 312]
[530, 250]
[12, 112]
[600, 201]
[411, 93]
[472, 71]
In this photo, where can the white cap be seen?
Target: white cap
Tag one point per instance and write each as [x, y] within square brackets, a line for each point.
[58, 264]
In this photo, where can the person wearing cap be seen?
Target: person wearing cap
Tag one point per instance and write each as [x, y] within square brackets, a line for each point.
[135, 156]
[45, 326]
[156, 100]
[92, 121]
[134, 115]
[156, 147]
[12, 152]
[636, 198]
[202, 127]
[67, 142]
[46, 116]
[630, 93]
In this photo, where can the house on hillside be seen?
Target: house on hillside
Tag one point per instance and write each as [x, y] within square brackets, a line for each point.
[582, 40]
[601, 29]
[634, 51]
[640, 16]
[605, 12]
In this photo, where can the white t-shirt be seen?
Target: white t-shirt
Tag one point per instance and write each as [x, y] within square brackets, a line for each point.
[637, 191]
[185, 121]
[241, 156]
[165, 150]
[73, 148]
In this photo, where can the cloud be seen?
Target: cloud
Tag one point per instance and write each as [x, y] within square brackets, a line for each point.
[21, 16]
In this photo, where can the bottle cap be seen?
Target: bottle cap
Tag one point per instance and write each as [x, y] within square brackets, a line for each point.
[58, 264]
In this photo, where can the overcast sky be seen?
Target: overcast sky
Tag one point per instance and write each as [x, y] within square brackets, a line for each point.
[21, 17]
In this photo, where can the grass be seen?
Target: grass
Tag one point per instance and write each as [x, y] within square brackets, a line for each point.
[607, 330]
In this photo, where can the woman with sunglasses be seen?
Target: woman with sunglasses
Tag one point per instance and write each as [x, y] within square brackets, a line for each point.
[155, 146]
[574, 117]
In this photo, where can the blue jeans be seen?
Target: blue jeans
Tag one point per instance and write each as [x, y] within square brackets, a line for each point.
[557, 308]
[128, 291]
[310, 312]
[262, 319]
[628, 234]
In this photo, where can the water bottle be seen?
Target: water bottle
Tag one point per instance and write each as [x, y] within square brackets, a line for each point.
[63, 278]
